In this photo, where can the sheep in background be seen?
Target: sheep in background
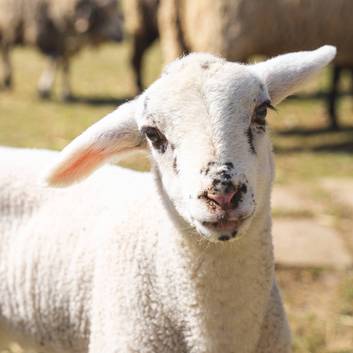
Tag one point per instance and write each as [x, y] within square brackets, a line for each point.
[59, 29]
[141, 23]
[175, 261]
[239, 29]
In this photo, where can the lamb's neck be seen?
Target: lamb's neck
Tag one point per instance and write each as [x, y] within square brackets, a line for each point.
[220, 287]
[228, 260]
[216, 293]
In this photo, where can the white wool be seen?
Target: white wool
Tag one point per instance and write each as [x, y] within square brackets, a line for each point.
[133, 262]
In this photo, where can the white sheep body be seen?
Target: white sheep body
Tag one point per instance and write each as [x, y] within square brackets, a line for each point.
[54, 310]
[144, 262]
[48, 299]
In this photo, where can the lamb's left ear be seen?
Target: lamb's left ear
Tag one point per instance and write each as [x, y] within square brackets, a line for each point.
[111, 136]
[285, 73]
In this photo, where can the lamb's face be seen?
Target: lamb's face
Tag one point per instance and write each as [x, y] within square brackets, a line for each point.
[209, 142]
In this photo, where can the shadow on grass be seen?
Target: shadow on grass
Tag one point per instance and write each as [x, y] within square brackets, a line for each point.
[316, 131]
[335, 141]
[344, 147]
[98, 100]
[317, 95]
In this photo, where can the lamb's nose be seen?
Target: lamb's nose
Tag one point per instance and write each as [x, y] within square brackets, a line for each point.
[227, 200]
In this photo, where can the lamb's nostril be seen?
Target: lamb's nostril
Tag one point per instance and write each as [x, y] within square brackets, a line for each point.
[227, 200]
[223, 200]
[236, 198]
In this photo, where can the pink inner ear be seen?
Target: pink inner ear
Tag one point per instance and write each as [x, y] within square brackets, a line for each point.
[78, 167]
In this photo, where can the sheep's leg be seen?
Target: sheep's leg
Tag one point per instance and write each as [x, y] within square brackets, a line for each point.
[332, 97]
[351, 73]
[141, 43]
[66, 94]
[7, 80]
[171, 37]
[46, 81]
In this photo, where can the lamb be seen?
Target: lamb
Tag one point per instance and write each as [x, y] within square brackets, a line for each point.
[59, 29]
[239, 29]
[177, 260]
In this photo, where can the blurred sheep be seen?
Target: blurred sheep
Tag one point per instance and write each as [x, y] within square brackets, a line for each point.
[141, 23]
[59, 29]
[334, 91]
[239, 29]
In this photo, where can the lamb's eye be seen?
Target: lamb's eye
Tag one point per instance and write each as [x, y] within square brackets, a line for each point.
[261, 112]
[152, 134]
[157, 139]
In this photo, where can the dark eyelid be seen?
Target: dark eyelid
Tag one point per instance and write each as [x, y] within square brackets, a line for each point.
[145, 128]
[157, 139]
[267, 103]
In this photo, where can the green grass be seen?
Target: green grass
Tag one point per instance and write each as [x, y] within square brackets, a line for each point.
[346, 293]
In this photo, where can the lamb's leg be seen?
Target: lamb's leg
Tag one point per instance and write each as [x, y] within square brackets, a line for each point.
[46, 81]
[332, 97]
[66, 94]
[275, 335]
[7, 80]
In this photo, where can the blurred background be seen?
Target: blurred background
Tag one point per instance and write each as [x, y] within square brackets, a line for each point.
[66, 63]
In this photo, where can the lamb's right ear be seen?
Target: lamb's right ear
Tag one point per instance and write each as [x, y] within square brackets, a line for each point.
[284, 74]
[111, 136]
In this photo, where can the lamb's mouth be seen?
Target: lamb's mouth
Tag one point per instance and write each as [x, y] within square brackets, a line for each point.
[224, 229]
[222, 226]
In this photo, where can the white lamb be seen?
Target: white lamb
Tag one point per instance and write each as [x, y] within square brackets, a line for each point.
[177, 260]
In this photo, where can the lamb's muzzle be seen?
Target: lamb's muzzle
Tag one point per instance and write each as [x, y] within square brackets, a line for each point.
[223, 199]
[223, 193]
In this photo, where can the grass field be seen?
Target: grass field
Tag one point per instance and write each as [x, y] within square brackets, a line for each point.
[319, 302]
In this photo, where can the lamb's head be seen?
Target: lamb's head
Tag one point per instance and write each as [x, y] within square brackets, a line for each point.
[204, 122]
